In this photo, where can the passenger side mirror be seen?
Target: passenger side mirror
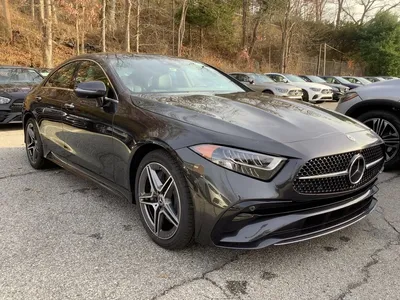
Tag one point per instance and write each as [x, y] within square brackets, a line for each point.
[91, 89]
[251, 81]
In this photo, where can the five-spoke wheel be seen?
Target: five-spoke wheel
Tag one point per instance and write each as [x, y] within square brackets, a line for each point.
[165, 204]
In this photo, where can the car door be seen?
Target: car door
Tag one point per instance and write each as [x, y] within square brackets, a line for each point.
[88, 126]
[49, 101]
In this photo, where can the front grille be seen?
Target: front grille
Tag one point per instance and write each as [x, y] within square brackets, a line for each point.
[295, 93]
[17, 105]
[334, 164]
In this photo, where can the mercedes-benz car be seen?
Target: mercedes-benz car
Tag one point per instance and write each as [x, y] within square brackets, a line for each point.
[357, 80]
[374, 79]
[377, 106]
[205, 158]
[262, 83]
[15, 84]
[313, 92]
[340, 80]
[338, 89]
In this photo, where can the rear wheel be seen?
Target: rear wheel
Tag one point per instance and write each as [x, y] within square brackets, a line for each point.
[34, 146]
[387, 125]
[164, 201]
[268, 92]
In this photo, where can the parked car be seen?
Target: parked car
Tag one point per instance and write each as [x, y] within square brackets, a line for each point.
[202, 157]
[262, 83]
[15, 84]
[389, 77]
[338, 89]
[340, 80]
[377, 106]
[374, 79]
[357, 80]
[313, 92]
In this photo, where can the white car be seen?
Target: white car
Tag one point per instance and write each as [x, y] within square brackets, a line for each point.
[313, 92]
[262, 83]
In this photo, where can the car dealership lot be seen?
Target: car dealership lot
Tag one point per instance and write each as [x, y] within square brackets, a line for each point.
[62, 237]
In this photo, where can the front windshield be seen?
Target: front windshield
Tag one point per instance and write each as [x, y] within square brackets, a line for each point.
[170, 75]
[343, 80]
[316, 79]
[260, 78]
[19, 76]
[363, 80]
[294, 78]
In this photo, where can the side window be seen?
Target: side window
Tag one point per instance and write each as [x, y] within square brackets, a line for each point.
[240, 77]
[279, 78]
[90, 71]
[330, 80]
[273, 77]
[63, 77]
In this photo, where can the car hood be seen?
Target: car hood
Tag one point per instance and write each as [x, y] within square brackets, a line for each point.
[15, 90]
[339, 86]
[250, 115]
[273, 85]
[308, 85]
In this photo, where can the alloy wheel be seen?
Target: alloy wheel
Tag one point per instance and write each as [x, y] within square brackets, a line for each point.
[32, 143]
[388, 133]
[159, 200]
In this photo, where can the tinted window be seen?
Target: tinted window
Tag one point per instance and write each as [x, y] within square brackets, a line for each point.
[91, 71]
[63, 77]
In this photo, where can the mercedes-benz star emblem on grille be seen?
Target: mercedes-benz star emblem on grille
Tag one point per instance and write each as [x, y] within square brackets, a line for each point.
[356, 168]
[351, 138]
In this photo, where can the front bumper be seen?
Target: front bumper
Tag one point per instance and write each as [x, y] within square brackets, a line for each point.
[255, 224]
[10, 117]
[321, 97]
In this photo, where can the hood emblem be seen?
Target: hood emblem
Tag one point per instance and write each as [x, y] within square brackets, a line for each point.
[351, 138]
[356, 169]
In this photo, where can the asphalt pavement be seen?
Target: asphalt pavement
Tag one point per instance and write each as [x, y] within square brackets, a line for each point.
[63, 237]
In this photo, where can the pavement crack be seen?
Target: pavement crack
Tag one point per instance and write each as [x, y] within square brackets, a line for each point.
[382, 213]
[365, 270]
[18, 175]
[203, 276]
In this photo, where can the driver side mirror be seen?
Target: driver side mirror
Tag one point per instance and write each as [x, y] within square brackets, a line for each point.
[251, 81]
[285, 80]
[91, 89]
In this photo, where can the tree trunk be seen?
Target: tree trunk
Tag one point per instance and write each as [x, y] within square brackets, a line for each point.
[254, 36]
[103, 26]
[173, 27]
[181, 29]
[244, 23]
[111, 7]
[137, 25]
[54, 12]
[76, 29]
[7, 17]
[48, 35]
[33, 9]
[41, 12]
[128, 6]
[83, 30]
[338, 16]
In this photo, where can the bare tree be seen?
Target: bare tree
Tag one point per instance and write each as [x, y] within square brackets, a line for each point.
[128, 7]
[319, 9]
[33, 9]
[181, 29]
[76, 28]
[7, 17]
[245, 9]
[111, 9]
[82, 29]
[54, 13]
[137, 25]
[368, 7]
[48, 35]
[340, 4]
[103, 26]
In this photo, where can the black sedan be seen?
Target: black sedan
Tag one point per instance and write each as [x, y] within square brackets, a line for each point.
[340, 80]
[205, 158]
[15, 84]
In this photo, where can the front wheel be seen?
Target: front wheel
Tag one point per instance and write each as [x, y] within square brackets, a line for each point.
[164, 201]
[305, 96]
[387, 125]
[34, 146]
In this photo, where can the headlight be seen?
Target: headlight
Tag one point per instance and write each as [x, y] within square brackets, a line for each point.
[4, 100]
[349, 96]
[283, 91]
[252, 164]
[316, 90]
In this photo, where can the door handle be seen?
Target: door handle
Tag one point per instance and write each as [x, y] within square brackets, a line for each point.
[69, 105]
[38, 98]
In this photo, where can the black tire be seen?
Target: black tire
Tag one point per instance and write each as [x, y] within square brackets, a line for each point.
[268, 92]
[34, 146]
[392, 155]
[184, 231]
[305, 96]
